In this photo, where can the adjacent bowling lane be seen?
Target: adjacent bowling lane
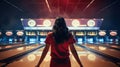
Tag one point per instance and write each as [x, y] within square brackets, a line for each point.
[87, 58]
[4, 46]
[113, 45]
[9, 46]
[12, 52]
[91, 60]
[105, 50]
[30, 60]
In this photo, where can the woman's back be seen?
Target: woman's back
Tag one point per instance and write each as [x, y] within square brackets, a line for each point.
[60, 50]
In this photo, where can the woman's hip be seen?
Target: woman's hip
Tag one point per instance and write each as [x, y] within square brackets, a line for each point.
[56, 62]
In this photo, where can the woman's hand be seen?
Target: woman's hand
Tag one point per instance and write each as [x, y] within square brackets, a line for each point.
[37, 65]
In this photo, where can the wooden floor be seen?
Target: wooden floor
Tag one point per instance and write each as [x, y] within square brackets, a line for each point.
[88, 60]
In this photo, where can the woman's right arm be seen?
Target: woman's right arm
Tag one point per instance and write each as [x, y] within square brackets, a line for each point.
[45, 50]
[74, 52]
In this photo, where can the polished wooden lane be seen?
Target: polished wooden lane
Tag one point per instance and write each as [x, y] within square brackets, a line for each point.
[88, 60]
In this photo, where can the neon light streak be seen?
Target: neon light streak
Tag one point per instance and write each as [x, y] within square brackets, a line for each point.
[13, 5]
[108, 6]
[88, 5]
[48, 6]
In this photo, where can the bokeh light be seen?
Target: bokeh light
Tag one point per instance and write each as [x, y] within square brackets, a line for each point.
[102, 48]
[113, 33]
[91, 23]
[20, 33]
[9, 33]
[102, 33]
[91, 57]
[47, 23]
[31, 23]
[31, 57]
[75, 23]
[8, 46]
[20, 48]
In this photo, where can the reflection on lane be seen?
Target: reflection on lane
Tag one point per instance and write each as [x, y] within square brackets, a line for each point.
[91, 57]
[88, 59]
[31, 57]
[12, 52]
[102, 48]
[115, 46]
[105, 50]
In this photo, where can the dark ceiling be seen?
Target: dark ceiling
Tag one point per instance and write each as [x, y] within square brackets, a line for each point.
[12, 10]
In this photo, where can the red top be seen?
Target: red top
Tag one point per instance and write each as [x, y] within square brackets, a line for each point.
[59, 50]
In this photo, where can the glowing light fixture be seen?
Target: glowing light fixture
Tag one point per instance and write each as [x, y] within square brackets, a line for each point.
[102, 19]
[9, 33]
[113, 33]
[31, 23]
[91, 23]
[20, 33]
[42, 39]
[75, 23]
[102, 33]
[21, 19]
[47, 23]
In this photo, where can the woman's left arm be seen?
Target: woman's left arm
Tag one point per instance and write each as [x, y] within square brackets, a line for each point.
[45, 50]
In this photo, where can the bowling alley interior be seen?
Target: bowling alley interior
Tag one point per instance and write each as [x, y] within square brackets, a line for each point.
[25, 24]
